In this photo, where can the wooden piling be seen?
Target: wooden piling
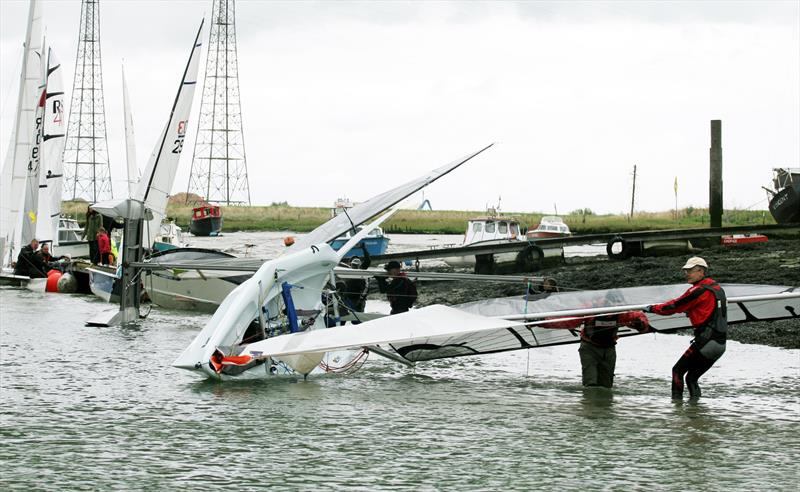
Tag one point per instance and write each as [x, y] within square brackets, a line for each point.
[715, 174]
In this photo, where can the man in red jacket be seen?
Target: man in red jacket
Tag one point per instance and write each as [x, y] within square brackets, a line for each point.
[706, 306]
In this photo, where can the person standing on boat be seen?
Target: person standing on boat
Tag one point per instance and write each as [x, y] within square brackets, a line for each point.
[706, 306]
[94, 221]
[400, 291]
[29, 262]
[104, 246]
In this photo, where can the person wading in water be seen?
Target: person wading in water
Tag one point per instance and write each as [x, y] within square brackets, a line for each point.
[706, 306]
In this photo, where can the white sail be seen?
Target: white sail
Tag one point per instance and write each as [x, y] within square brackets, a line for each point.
[52, 148]
[159, 175]
[15, 168]
[130, 141]
[30, 209]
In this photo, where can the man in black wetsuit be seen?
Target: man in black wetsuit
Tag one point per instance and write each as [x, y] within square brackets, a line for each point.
[29, 262]
[401, 292]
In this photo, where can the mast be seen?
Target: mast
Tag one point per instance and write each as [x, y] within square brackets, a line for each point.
[130, 141]
[219, 165]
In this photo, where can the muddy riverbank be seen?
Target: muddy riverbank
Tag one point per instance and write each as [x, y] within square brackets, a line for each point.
[776, 262]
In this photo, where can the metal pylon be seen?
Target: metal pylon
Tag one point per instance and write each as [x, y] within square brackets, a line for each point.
[86, 167]
[219, 167]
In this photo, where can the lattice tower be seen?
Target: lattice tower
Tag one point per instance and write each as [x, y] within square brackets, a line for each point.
[86, 167]
[219, 166]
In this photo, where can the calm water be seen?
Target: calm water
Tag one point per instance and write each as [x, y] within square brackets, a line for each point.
[101, 408]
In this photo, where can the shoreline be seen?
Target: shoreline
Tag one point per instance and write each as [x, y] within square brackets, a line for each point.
[304, 219]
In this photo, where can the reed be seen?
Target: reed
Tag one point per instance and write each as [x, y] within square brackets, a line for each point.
[304, 219]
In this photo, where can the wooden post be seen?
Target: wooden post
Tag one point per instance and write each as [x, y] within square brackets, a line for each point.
[633, 192]
[715, 175]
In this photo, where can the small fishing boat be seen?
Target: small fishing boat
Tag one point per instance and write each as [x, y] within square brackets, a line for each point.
[550, 226]
[170, 237]
[374, 243]
[206, 221]
[784, 204]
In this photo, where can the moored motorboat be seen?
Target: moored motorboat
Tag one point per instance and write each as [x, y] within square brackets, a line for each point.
[206, 221]
[486, 231]
[549, 226]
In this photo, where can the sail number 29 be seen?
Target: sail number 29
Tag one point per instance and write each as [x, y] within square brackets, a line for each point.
[178, 142]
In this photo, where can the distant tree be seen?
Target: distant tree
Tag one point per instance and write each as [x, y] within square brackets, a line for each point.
[279, 204]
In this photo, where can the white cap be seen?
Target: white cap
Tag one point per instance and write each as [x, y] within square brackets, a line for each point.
[693, 262]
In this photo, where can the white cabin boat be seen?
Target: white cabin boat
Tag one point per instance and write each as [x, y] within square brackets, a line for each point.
[70, 240]
[485, 231]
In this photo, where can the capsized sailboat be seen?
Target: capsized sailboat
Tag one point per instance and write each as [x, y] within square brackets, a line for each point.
[499, 325]
[285, 296]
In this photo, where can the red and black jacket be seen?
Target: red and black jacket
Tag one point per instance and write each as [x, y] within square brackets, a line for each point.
[705, 305]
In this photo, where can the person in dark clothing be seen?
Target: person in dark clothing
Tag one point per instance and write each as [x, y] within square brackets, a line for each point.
[94, 221]
[598, 352]
[29, 262]
[706, 306]
[400, 291]
[354, 290]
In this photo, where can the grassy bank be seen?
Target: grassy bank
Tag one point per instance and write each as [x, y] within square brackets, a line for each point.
[304, 219]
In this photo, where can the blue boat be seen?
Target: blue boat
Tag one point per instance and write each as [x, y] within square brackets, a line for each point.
[375, 244]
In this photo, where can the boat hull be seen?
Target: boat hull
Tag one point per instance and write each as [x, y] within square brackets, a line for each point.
[207, 226]
[785, 206]
[190, 290]
[103, 283]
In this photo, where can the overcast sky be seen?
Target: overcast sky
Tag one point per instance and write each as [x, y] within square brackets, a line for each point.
[349, 98]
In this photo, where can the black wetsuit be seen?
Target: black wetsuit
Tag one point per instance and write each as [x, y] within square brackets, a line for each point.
[30, 264]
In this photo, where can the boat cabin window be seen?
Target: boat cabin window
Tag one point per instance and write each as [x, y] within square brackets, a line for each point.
[514, 229]
[490, 227]
[477, 227]
[502, 227]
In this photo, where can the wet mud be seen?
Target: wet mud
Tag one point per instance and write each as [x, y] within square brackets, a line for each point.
[776, 262]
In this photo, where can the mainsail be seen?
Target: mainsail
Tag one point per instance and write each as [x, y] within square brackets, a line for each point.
[52, 148]
[30, 208]
[15, 168]
[156, 182]
[363, 211]
[159, 175]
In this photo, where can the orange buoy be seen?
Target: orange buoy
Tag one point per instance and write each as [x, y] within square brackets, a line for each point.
[288, 241]
[52, 280]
